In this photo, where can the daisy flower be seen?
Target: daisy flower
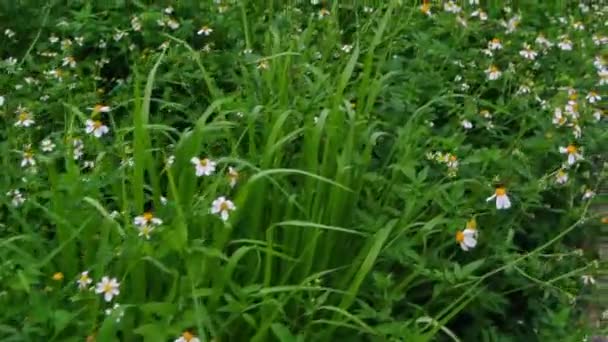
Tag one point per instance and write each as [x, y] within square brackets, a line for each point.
[483, 16]
[205, 30]
[572, 152]
[145, 231]
[223, 207]
[502, 200]
[588, 194]
[426, 8]
[109, 288]
[528, 53]
[561, 177]
[543, 42]
[187, 337]
[24, 120]
[593, 97]
[96, 128]
[494, 44]
[100, 108]
[233, 176]
[323, 12]
[84, 280]
[147, 219]
[466, 124]
[17, 199]
[451, 7]
[203, 167]
[47, 145]
[173, 24]
[565, 44]
[28, 159]
[467, 238]
[69, 61]
[493, 73]
[588, 280]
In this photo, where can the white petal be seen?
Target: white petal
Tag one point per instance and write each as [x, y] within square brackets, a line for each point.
[470, 241]
[108, 296]
[195, 160]
[225, 215]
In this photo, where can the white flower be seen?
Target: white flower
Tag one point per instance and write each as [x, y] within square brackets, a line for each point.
[451, 7]
[512, 24]
[346, 48]
[118, 309]
[494, 44]
[187, 337]
[89, 164]
[523, 89]
[589, 194]
[78, 148]
[53, 39]
[84, 280]
[24, 120]
[96, 128]
[9, 33]
[578, 26]
[69, 61]
[597, 115]
[483, 16]
[135, 23]
[502, 200]
[466, 124]
[1, 100]
[145, 231]
[565, 44]
[119, 35]
[28, 159]
[493, 73]
[168, 10]
[203, 167]
[47, 145]
[467, 238]
[109, 288]
[170, 160]
[233, 176]
[561, 177]
[173, 24]
[163, 200]
[205, 30]
[223, 207]
[603, 75]
[17, 198]
[588, 280]
[528, 53]
[593, 97]
[147, 219]
[100, 108]
[573, 154]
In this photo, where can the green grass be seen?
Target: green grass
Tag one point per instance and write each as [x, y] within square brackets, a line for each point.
[341, 128]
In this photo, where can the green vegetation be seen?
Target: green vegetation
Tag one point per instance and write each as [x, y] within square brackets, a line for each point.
[258, 171]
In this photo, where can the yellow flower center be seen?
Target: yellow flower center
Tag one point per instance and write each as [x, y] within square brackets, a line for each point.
[23, 116]
[495, 41]
[605, 219]
[501, 191]
[187, 336]
[453, 158]
[459, 236]
[58, 276]
[97, 108]
[224, 206]
[571, 149]
[204, 162]
[493, 69]
[148, 216]
[426, 7]
[84, 278]
[107, 288]
[27, 154]
[97, 124]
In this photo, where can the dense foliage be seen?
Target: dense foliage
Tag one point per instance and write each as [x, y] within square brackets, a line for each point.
[313, 171]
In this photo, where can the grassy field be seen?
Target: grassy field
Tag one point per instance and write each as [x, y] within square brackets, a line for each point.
[301, 171]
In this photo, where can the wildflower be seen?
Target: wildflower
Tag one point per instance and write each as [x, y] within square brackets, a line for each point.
[78, 148]
[323, 12]
[28, 159]
[483, 16]
[119, 35]
[187, 337]
[84, 280]
[502, 200]
[561, 177]
[528, 53]
[572, 109]
[57, 73]
[467, 238]
[58, 276]
[589, 194]
[24, 120]
[163, 200]
[170, 160]
[9, 33]
[593, 97]
[53, 39]
[69, 61]
[173, 24]
[466, 124]
[117, 308]
[588, 280]
[426, 7]
[573, 154]
[109, 288]
[576, 130]
[493, 73]
[205, 30]
[494, 44]
[17, 198]
[512, 24]
[597, 115]
[203, 167]
[89, 164]
[145, 231]
[346, 48]
[603, 75]
[100, 108]
[96, 127]
[223, 207]
[147, 219]
[168, 10]
[263, 65]
[565, 44]
[451, 7]
[47, 145]
[135, 23]
[233, 176]
[485, 114]
[599, 62]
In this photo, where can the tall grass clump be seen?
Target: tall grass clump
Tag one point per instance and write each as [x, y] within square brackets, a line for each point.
[300, 171]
